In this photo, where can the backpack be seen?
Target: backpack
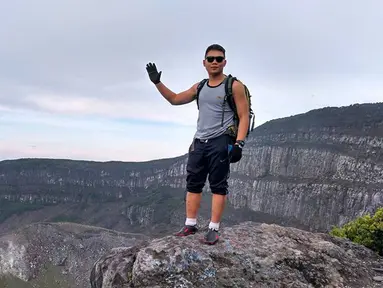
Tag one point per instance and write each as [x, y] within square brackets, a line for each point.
[230, 100]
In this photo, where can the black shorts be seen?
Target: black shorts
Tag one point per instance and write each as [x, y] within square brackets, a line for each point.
[209, 157]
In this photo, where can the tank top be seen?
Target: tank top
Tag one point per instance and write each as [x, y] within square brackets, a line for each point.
[210, 112]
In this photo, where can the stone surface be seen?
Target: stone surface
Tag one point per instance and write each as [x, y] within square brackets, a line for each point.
[68, 247]
[248, 255]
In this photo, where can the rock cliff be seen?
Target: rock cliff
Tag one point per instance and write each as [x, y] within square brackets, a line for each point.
[324, 167]
[313, 170]
[248, 255]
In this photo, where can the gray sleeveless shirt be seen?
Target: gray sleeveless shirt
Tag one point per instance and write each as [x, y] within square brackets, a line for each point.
[210, 112]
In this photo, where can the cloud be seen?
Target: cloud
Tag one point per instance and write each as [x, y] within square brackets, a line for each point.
[80, 66]
[95, 138]
[121, 100]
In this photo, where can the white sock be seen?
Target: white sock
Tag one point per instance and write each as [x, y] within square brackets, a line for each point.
[191, 221]
[214, 226]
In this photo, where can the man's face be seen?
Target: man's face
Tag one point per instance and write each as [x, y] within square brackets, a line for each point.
[214, 62]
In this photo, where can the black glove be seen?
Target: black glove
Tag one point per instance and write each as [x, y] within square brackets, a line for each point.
[235, 153]
[153, 73]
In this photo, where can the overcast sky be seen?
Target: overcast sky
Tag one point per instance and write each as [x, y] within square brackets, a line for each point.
[73, 82]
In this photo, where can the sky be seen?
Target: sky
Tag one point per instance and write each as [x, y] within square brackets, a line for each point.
[73, 82]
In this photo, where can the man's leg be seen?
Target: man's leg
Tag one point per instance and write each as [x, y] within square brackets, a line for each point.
[193, 201]
[196, 178]
[219, 171]
[217, 208]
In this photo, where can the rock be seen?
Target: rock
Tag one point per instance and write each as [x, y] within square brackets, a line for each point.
[68, 248]
[248, 255]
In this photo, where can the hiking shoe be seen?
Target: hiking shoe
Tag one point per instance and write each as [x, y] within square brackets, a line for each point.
[211, 237]
[187, 230]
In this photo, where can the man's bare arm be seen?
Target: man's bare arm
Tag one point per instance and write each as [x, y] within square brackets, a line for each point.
[242, 109]
[184, 97]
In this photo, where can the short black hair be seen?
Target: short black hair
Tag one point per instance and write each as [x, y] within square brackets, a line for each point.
[216, 47]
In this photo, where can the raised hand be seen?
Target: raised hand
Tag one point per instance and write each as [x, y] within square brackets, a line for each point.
[154, 75]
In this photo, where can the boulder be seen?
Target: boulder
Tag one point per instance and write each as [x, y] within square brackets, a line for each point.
[248, 255]
[64, 252]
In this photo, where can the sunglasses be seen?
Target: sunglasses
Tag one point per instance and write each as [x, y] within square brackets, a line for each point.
[219, 59]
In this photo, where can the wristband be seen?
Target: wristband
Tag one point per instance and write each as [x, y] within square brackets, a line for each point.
[240, 143]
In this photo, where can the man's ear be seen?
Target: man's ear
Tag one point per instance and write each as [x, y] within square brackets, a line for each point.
[204, 62]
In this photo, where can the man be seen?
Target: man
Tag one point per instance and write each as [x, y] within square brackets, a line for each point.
[209, 153]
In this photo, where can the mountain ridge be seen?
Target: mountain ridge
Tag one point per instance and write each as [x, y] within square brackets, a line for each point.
[376, 107]
[307, 169]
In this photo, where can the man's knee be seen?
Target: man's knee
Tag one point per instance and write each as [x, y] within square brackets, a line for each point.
[195, 182]
[219, 191]
[218, 179]
[194, 189]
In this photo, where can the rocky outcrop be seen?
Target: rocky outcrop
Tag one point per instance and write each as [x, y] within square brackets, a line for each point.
[70, 249]
[318, 169]
[247, 255]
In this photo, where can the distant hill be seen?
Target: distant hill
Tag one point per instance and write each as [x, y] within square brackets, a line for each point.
[357, 119]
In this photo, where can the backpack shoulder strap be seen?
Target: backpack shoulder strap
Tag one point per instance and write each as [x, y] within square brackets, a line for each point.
[199, 88]
[229, 91]
[230, 100]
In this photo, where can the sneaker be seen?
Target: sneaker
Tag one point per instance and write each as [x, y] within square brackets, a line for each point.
[211, 237]
[187, 230]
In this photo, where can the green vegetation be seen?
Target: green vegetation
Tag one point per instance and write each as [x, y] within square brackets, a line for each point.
[366, 230]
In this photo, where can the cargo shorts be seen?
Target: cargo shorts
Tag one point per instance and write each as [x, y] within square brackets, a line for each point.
[209, 158]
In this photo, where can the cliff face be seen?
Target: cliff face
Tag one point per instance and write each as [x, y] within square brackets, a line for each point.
[140, 197]
[324, 167]
[318, 169]
[310, 180]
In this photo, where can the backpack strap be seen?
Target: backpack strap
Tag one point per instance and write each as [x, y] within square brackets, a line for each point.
[230, 101]
[229, 97]
[199, 88]
[229, 92]
[251, 112]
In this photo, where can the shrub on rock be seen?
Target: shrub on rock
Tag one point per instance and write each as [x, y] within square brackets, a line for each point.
[366, 230]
